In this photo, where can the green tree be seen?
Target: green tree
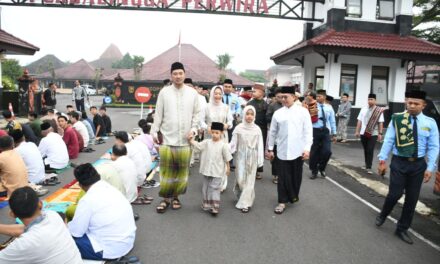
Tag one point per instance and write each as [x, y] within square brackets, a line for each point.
[255, 77]
[12, 69]
[426, 23]
[223, 62]
[138, 64]
[126, 62]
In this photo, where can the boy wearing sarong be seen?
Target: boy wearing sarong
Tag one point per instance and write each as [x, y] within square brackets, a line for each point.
[214, 165]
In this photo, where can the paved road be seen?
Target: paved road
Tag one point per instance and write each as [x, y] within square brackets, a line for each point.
[328, 225]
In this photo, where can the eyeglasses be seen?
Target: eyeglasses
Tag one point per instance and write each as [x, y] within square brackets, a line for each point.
[284, 97]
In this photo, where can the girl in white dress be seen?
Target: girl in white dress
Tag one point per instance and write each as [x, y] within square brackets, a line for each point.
[247, 144]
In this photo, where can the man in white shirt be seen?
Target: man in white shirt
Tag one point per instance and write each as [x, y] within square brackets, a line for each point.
[177, 116]
[80, 127]
[30, 155]
[53, 149]
[103, 226]
[138, 152]
[44, 239]
[126, 169]
[370, 129]
[291, 130]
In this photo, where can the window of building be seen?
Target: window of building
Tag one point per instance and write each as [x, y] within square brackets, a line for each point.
[385, 9]
[379, 84]
[353, 8]
[319, 78]
[431, 77]
[348, 81]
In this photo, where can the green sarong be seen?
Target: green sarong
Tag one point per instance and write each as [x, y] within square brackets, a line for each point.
[174, 170]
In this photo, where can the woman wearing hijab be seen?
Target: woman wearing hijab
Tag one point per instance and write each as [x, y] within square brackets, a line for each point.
[217, 111]
[247, 143]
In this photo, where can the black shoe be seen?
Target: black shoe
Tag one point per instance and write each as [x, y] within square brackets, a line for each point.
[322, 173]
[314, 176]
[404, 236]
[380, 220]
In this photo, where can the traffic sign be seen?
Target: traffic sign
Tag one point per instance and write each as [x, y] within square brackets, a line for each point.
[107, 100]
[142, 94]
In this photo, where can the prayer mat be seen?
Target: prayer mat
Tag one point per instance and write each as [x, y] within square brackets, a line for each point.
[3, 204]
[59, 171]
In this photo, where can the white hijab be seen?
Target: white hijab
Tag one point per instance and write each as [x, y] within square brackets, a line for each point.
[245, 127]
[211, 95]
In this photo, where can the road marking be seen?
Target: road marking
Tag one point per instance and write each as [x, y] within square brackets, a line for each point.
[378, 187]
[416, 234]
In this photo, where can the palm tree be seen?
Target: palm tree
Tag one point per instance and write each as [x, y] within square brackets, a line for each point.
[223, 61]
[137, 66]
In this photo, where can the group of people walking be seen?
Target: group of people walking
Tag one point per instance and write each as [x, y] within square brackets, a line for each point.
[300, 129]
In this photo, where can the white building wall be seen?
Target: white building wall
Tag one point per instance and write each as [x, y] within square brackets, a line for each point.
[332, 75]
[404, 7]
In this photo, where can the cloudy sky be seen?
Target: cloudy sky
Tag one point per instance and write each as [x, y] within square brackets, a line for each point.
[72, 34]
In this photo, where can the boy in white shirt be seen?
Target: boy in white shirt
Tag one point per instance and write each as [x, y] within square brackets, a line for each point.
[214, 165]
[44, 238]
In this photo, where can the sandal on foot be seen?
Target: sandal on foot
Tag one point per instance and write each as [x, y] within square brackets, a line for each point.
[259, 176]
[162, 207]
[280, 209]
[213, 211]
[176, 205]
[245, 210]
[275, 180]
[140, 201]
[148, 198]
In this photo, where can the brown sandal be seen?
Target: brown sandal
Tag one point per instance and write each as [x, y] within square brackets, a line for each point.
[140, 201]
[162, 207]
[175, 204]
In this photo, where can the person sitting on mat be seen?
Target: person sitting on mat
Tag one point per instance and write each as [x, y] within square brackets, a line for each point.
[53, 149]
[40, 228]
[13, 173]
[103, 226]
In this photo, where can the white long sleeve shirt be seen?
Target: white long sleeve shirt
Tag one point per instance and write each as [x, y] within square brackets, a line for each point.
[138, 152]
[82, 130]
[126, 169]
[54, 151]
[106, 217]
[177, 113]
[291, 130]
[32, 158]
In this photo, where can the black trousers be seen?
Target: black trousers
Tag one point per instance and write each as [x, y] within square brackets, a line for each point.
[368, 144]
[275, 162]
[289, 179]
[80, 105]
[321, 150]
[404, 176]
[264, 132]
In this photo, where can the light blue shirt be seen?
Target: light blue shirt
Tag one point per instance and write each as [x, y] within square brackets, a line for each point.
[428, 140]
[234, 103]
[330, 121]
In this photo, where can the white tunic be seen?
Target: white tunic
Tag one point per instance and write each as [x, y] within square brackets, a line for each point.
[126, 169]
[291, 129]
[138, 152]
[32, 158]
[54, 149]
[82, 130]
[46, 242]
[177, 113]
[106, 217]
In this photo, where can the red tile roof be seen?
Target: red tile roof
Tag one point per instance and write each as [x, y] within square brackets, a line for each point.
[13, 45]
[78, 70]
[367, 40]
[198, 66]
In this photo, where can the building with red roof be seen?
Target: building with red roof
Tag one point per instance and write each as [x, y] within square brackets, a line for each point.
[361, 47]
